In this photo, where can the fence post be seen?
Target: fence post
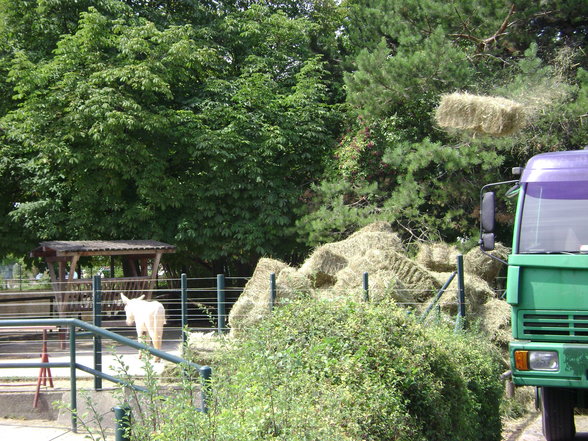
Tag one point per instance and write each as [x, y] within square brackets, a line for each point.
[72, 378]
[459, 322]
[97, 321]
[220, 299]
[205, 374]
[366, 287]
[272, 298]
[122, 420]
[184, 306]
[437, 297]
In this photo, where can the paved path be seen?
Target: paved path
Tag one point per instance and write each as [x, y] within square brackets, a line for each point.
[531, 430]
[113, 355]
[15, 430]
[43, 430]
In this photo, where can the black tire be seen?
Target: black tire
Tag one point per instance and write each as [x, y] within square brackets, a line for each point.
[557, 407]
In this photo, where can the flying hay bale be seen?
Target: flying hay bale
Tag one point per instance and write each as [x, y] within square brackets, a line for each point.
[253, 303]
[322, 266]
[438, 257]
[483, 266]
[482, 114]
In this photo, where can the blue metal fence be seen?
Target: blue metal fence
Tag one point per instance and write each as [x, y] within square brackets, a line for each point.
[71, 324]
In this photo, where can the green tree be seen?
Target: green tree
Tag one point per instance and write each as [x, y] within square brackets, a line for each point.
[396, 163]
[132, 130]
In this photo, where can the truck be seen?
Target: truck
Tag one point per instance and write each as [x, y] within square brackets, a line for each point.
[547, 283]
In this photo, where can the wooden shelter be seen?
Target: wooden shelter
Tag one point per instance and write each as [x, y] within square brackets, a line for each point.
[73, 296]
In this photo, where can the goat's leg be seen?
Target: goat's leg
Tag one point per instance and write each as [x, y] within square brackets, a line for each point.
[155, 334]
[140, 339]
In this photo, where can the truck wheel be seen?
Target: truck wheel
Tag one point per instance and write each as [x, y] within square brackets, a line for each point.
[557, 406]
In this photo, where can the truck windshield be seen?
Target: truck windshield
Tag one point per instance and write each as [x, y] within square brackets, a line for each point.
[554, 218]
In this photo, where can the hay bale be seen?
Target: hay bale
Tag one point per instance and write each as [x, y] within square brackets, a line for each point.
[482, 114]
[495, 320]
[438, 257]
[253, 303]
[391, 275]
[201, 347]
[322, 266]
[359, 243]
[290, 284]
[483, 266]
[477, 292]
[377, 227]
[327, 262]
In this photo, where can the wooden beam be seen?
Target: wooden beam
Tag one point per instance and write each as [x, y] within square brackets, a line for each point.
[143, 266]
[155, 266]
[147, 253]
[72, 267]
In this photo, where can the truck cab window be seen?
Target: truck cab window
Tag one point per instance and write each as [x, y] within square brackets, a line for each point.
[554, 217]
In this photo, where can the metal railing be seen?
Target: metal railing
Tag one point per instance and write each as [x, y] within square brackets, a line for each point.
[99, 333]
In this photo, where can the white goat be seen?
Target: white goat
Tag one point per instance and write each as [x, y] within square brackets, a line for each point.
[148, 317]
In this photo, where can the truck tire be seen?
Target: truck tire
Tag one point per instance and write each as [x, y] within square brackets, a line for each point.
[557, 407]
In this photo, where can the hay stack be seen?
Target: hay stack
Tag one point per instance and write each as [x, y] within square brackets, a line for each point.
[322, 266]
[361, 242]
[377, 227]
[201, 347]
[477, 293]
[482, 114]
[478, 263]
[391, 274]
[495, 316]
[438, 257]
[253, 303]
[291, 283]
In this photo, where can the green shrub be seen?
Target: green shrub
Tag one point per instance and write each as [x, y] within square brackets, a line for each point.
[353, 371]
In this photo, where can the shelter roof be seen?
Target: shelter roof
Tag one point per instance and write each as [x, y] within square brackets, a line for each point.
[101, 248]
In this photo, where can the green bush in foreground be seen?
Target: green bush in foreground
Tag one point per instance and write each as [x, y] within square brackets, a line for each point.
[352, 371]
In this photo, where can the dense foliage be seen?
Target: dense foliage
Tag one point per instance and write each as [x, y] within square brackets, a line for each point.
[393, 163]
[236, 129]
[198, 136]
[323, 371]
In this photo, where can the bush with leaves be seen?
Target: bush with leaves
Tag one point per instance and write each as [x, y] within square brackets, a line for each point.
[349, 371]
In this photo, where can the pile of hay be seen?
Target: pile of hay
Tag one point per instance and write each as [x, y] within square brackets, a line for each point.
[438, 257]
[390, 274]
[335, 270]
[253, 303]
[365, 240]
[322, 267]
[483, 266]
[477, 293]
[290, 284]
[495, 320]
[482, 114]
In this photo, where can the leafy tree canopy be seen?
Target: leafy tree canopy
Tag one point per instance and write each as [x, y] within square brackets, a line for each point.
[129, 130]
[394, 162]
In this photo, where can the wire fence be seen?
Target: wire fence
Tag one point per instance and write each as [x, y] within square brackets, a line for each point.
[199, 304]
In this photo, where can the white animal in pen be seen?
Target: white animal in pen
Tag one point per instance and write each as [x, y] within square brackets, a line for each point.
[148, 317]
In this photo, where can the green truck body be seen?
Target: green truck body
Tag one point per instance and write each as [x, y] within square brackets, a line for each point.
[547, 284]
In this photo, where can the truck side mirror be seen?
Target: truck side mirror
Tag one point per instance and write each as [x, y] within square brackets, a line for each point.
[487, 241]
[487, 220]
[488, 212]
